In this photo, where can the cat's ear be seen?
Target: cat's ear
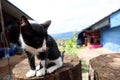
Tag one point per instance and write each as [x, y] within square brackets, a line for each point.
[23, 19]
[46, 24]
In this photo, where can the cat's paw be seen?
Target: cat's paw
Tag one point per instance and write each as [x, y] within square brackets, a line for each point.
[40, 72]
[38, 67]
[50, 70]
[30, 73]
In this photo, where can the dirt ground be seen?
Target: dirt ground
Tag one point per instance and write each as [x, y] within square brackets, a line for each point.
[6, 69]
[84, 53]
[87, 54]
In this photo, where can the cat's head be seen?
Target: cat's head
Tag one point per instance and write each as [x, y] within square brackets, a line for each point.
[24, 22]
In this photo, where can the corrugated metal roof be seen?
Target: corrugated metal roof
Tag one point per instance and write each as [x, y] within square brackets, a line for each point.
[103, 22]
[13, 10]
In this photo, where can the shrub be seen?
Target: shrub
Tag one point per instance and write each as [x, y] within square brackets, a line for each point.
[69, 45]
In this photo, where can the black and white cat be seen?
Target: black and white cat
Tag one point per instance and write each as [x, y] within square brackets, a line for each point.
[36, 41]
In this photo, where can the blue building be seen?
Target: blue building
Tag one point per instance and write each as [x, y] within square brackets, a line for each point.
[109, 29]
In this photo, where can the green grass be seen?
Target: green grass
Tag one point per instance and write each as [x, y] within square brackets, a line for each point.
[84, 66]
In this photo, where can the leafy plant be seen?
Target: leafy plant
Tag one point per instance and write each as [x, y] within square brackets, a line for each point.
[84, 66]
[69, 45]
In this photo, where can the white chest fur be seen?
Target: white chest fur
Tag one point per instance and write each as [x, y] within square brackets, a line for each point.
[32, 49]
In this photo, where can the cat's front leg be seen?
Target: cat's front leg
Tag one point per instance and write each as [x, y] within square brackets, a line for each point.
[42, 69]
[31, 60]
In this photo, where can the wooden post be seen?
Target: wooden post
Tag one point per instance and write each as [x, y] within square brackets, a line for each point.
[105, 67]
[71, 70]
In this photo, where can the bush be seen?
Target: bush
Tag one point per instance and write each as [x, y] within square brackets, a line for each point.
[69, 45]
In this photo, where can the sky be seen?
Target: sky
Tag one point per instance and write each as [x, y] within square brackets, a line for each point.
[67, 15]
